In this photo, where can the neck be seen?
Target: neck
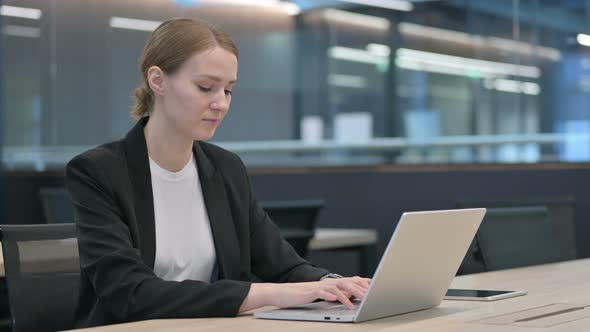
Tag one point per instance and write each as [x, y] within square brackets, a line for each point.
[166, 147]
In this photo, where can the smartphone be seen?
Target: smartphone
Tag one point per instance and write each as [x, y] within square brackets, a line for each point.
[480, 294]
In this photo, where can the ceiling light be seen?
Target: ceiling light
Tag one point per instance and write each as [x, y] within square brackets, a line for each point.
[528, 49]
[133, 24]
[290, 8]
[513, 86]
[387, 4]
[347, 81]
[356, 55]
[30, 13]
[583, 39]
[21, 31]
[379, 49]
[455, 65]
[361, 20]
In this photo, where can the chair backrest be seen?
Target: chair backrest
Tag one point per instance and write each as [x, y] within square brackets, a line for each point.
[561, 212]
[57, 206]
[517, 236]
[296, 220]
[42, 272]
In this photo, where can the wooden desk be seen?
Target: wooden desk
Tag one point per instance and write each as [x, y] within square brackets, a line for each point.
[567, 282]
[362, 240]
[336, 238]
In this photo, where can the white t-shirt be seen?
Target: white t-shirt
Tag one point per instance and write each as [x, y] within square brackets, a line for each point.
[184, 243]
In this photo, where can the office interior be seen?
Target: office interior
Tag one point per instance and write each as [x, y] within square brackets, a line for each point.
[363, 109]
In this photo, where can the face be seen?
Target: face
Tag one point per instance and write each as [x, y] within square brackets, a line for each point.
[197, 96]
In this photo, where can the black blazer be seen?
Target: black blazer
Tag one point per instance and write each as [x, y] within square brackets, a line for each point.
[111, 189]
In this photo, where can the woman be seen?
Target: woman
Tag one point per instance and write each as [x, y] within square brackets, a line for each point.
[168, 226]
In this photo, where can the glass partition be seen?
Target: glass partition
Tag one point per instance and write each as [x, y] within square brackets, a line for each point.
[321, 82]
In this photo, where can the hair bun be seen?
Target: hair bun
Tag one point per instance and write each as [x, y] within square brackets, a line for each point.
[144, 99]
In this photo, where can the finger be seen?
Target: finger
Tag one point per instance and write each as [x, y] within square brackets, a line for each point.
[342, 298]
[333, 296]
[363, 282]
[326, 296]
[356, 281]
[353, 289]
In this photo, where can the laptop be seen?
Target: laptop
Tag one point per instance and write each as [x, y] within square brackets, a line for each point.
[419, 263]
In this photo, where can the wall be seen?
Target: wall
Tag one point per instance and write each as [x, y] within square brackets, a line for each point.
[376, 198]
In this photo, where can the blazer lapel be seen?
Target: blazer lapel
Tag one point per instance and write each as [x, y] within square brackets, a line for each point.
[141, 180]
[218, 209]
[215, 196]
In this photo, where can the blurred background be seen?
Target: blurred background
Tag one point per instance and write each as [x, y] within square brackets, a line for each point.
[322, 82]
[374, 107]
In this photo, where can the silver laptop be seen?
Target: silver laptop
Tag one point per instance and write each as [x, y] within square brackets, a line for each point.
[420, 262]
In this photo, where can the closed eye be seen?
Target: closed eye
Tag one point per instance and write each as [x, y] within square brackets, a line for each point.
[228, 93]
[204, 89]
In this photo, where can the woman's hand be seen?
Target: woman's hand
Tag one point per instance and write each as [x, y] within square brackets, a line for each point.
[294, 294]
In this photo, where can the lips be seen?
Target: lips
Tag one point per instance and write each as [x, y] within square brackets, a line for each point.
[212, 121]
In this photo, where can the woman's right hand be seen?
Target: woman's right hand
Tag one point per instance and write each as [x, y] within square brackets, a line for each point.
[294, 294]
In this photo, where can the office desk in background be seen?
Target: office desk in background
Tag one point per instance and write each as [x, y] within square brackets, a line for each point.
[566, 282]
[362, 240]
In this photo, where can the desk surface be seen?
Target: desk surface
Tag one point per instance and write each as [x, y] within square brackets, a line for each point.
[567, 282]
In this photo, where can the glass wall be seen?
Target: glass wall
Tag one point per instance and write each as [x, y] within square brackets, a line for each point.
[321, 82]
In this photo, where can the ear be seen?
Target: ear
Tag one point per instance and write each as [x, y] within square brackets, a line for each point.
[155, 78]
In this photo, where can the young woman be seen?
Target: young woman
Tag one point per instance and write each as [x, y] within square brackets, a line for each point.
[168, 226]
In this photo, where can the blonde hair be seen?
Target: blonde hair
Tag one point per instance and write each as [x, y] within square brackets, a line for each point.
[169, 46]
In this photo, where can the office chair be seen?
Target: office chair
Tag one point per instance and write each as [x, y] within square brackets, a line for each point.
[57, 206]
[517, 236]
[472, 262]
[42, 273]
[5, 319]
[296, 220]
[561, 212]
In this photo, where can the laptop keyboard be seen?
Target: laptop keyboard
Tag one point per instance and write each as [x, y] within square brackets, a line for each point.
[333, 312]
[343, 308]
[334, 309]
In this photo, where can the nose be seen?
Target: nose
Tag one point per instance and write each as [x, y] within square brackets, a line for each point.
[220, 102]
